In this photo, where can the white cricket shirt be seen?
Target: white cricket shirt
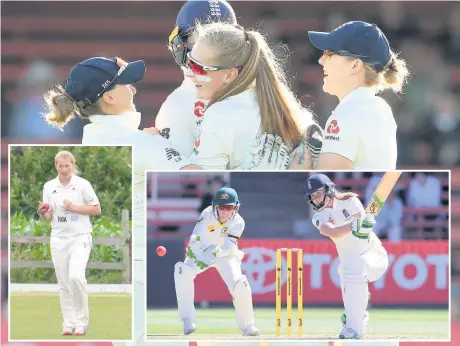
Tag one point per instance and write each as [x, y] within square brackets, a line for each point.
[363, 130]
[227, 131]
[176, 118]
[212, 232]
[151, 152]
[65, 223]
[340, 214]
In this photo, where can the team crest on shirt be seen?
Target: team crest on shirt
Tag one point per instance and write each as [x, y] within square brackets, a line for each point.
[211, 228]
[224, 231]
[199, 109]
[332, 130]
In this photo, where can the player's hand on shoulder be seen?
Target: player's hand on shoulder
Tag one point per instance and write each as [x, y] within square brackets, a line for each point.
[268, 153]
[314, 141]
[151, 130]
[306, 155]
[300, 159]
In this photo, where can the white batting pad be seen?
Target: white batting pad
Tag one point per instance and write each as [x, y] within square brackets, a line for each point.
[355, 298]
[185, 290]
[242, 301]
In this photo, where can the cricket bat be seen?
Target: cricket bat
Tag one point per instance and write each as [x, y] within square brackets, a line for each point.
[382, 192]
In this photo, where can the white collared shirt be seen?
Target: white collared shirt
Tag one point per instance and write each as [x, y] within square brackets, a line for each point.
[151, 152]
[227, 131]
[176, 119]
[363, 130]
[65, 223]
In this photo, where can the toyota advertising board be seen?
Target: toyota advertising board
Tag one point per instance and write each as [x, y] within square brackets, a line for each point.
[418, 273]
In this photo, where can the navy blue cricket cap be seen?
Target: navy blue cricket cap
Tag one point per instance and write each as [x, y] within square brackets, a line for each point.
[89, 79]
[357, 39]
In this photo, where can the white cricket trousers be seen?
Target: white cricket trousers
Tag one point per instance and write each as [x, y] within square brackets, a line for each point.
[229, 269]
[70, 256]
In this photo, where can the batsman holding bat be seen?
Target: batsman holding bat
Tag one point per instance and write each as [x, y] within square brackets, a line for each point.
[213, 243]
[363, 259]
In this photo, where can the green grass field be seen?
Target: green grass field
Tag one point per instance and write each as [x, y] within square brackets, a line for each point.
[321, 323]
[37, 316]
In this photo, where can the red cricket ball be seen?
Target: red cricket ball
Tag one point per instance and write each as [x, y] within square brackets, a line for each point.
[161, 251]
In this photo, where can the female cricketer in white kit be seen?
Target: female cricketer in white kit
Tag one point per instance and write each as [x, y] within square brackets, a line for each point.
[68, 202]
[363, 259]
[358, 63]
[178, 119]
[213, 243]
[181, 115]
[246, 95]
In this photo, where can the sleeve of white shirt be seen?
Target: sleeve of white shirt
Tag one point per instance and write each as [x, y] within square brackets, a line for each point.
[170, 118]
[320, 218]
[201, 226]
[157, 152]
[213, 150]
[346, 141]
[234, 234]
[357, 206]
[89, 196]
[46, 196]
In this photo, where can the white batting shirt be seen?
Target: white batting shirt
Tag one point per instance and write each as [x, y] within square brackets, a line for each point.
[212, 232]
[227, 130]
[341, 214]
[362, 129]
[176, 118]
[66, 223]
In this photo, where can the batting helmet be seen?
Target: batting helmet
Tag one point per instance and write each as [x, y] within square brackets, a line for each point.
[192, 11]
[225, 196]
[315, 183]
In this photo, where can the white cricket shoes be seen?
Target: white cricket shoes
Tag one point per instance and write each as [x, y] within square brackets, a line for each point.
[189, 326]
[348, 333]
[251, 331]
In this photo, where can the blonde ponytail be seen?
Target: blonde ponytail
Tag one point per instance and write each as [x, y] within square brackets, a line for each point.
[60, 108]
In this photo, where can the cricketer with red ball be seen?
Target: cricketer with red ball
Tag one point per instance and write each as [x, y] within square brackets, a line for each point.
[213, 243]
[68, 201]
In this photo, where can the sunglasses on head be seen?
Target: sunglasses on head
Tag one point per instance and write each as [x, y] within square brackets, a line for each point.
[202, 69]
[226, 207]
[329, 53]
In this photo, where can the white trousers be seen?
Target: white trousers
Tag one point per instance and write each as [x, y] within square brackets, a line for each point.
[70, 256]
